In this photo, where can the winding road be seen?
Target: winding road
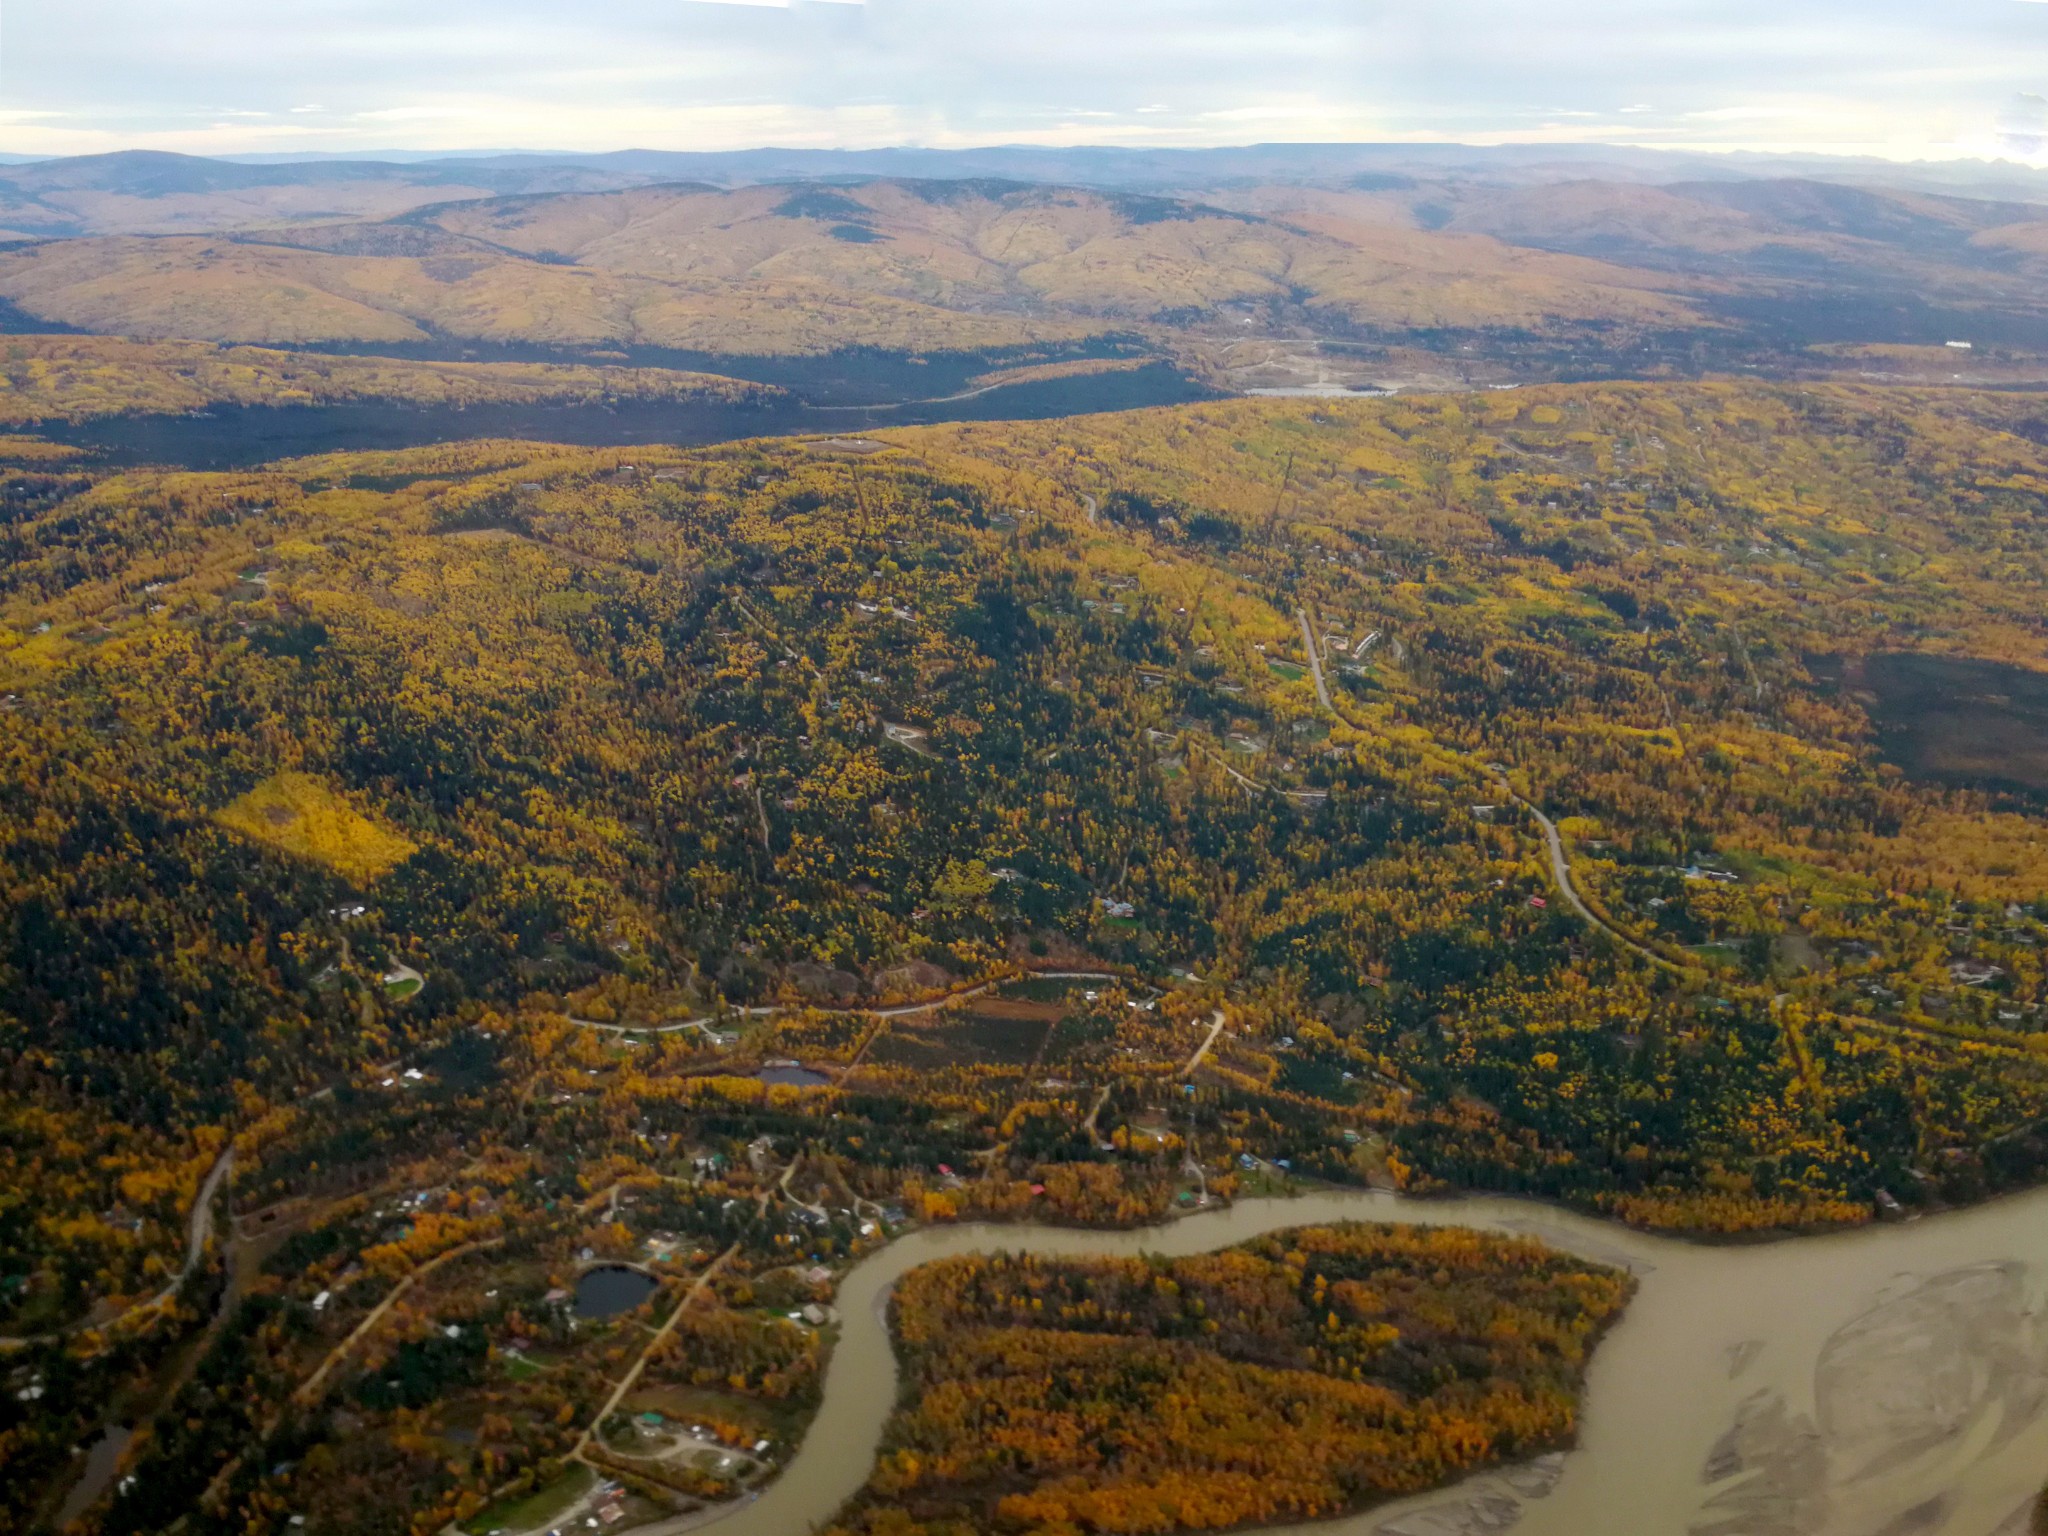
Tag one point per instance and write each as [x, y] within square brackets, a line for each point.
[1561, 876]
[1560, 866]
[308, 1390]
[199, 1225]
[198, 1233]
[1257, 786]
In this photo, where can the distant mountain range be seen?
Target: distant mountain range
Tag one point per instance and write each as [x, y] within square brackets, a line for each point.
[1269, 264]
[1110, 166]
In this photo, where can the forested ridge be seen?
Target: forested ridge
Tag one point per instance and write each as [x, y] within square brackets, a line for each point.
[79, 378]
[369, 810]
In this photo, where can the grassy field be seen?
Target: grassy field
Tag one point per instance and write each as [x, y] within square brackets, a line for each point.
[532, 1511]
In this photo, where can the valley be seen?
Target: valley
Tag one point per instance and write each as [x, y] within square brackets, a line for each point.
[743, 852]
[1478, 275]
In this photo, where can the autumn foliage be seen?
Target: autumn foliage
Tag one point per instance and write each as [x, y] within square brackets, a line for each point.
[1290, 1378]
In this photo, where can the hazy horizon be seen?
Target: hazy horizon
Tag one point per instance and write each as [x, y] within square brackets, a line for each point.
[1589, 152]
[231, 77]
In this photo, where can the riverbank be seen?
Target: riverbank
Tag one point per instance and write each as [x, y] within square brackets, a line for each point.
[1823, 1386]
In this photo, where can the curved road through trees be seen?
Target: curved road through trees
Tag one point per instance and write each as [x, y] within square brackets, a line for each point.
[1561, 876]
[198, 1233]
[704, 1023]
[1560, 866]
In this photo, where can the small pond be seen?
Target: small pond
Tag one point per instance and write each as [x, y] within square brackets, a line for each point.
[1053, 989]
[610, 1289]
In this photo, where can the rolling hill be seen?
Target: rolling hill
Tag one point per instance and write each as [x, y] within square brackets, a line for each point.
[768, 270]
[494, 847]
[46, 379]
[1502, 270]
[137, 192]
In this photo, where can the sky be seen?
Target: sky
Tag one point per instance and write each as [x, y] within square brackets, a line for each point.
[1907, 79]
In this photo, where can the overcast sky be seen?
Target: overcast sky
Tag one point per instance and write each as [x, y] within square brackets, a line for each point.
[1906, 78]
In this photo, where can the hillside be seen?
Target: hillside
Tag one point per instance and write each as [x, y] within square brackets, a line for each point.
[248, 291]
[1869, 264]
[139, 192]
[46, 379]
[473, 837]
[149, 192]
[780, 270]
[995, 243]
[1401, 280]
[1591, 655]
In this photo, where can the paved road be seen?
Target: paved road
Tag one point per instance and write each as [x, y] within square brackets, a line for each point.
[702, 1025]
[1561, 876]
[1092, 507]
[1315, 661]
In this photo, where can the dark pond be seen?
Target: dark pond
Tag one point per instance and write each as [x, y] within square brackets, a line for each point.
[1954, 719]
[792, 1077]
[610, 1289]
[1053, 989]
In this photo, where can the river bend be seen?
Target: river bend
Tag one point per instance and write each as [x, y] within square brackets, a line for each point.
[1889, 1381]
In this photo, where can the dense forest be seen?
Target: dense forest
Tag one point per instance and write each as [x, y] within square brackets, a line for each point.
[1290, 1378]
[73, 378]
[502, 849]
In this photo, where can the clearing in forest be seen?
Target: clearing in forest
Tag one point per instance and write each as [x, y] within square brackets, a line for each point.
[298, 814]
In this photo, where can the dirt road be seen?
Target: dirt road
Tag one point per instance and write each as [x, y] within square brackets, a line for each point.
[1315, 660]
[1215, 1029]
[198, 1233]
[626, 1382]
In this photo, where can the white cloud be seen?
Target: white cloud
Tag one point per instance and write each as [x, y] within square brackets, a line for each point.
[1873, 76]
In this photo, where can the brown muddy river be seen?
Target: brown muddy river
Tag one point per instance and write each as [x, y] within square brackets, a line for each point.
[1891, 1381]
